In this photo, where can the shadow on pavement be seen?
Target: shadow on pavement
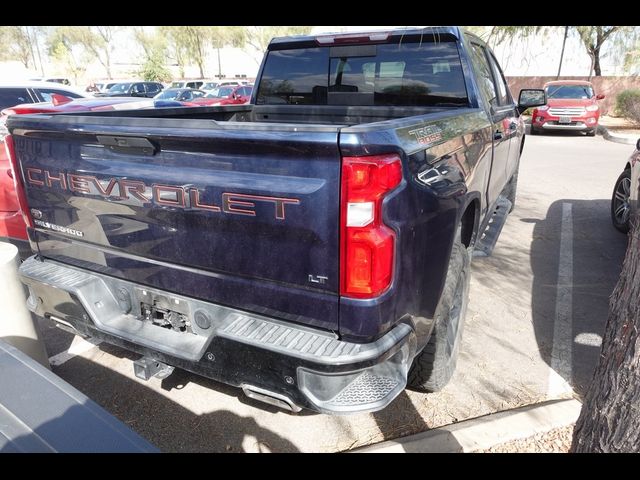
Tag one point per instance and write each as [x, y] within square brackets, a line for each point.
[597, 254]
[165, 423]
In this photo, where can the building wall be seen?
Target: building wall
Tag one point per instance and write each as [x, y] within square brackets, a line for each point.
[608, 86]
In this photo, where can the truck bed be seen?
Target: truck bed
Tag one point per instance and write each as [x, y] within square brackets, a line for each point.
[335, 115]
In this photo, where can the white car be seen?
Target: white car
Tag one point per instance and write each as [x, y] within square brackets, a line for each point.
[15, 93]
[193, 84]
[209, 85]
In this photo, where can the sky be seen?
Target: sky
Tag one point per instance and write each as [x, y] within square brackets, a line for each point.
[534, 56]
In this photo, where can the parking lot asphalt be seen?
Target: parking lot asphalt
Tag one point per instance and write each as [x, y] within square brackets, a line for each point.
[540, 301]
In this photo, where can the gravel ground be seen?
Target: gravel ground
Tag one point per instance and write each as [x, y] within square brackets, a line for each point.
[553, 441]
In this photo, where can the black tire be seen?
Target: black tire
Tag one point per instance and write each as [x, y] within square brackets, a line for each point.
[620, 200]
[533, 130]
[591, 133]
[434, 366]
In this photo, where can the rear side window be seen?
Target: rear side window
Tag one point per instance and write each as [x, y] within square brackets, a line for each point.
[404, 74]
[485, 78]
[152, 88]
[10, 97]
[504, 98]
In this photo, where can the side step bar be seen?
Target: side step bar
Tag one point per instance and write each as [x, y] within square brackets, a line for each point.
[489, 237]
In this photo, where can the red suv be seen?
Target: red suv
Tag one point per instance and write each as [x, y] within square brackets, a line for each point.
[571, 105]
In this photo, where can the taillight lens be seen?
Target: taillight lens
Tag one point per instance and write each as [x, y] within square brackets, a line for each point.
[367, 244]
[17, 180]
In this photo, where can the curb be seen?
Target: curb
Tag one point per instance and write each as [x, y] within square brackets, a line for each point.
[485, 432]
[612, 137]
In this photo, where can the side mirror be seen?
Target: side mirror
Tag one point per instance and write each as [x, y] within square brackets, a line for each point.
[600, 97]
[638, 145]
[530, 98]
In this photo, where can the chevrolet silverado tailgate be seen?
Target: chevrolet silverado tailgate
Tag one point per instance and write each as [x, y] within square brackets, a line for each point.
[240, 214]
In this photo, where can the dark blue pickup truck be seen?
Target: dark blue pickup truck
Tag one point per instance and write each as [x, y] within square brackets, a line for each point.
[312, 247]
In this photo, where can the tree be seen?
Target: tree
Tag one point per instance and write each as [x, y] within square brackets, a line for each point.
[154, 49]
[177, 44]
[500, 34]
[258, 37]
[16, 45]
[564, 44]
[192, 43]
[593, 38]
[64, 45]
[98, 40]
[610, 420]
[224, 36]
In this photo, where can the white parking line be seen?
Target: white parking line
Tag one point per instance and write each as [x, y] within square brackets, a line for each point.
[78, 346]
[561, 352]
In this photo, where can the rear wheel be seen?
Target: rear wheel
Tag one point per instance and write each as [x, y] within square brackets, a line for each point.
[620, 206]
[434, 366]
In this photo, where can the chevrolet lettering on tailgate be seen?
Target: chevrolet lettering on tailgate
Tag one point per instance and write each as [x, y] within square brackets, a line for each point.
[137, 192]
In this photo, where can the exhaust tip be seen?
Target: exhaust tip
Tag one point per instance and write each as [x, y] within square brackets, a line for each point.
[272, 398]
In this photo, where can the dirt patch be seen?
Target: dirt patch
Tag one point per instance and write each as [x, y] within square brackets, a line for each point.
[554, 441]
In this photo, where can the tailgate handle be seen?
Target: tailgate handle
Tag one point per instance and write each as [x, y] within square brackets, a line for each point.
[139, 145]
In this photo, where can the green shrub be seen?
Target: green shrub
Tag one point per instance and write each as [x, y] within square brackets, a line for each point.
[628, 105]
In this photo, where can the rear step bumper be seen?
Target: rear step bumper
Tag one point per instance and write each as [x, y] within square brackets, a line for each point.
[278, 362]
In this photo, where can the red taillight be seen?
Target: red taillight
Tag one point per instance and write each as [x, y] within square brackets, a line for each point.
[17, 180]
[367, 245]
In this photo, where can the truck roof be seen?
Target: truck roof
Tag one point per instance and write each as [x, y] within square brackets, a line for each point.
[374, 35]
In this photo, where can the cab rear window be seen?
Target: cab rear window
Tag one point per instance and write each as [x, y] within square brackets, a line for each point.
[398, 74]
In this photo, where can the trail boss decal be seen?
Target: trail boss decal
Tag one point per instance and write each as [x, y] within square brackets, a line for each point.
[427, 135]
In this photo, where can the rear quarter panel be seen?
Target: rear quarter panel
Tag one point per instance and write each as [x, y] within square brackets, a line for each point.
[446, 164]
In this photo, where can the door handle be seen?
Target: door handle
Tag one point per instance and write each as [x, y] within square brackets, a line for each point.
[498, 135]
[131, 145]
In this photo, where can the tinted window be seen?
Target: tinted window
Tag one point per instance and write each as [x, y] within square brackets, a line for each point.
[10, 97]
[569, 91]
[222, 92]
[408, 73]
[46, 93]
[152, 88]
[483, 73]
[297, 77]
[120, 88]
[504, 98]
[138, 88]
